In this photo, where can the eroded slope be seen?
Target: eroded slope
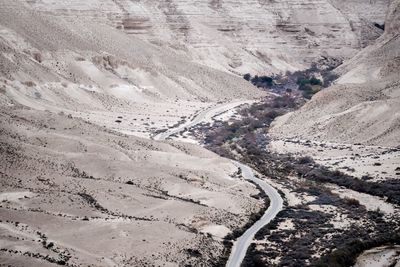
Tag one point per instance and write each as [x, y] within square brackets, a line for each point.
[104, 198]
[364, 106]
[75, 189]
[99, 73]
[255, 36]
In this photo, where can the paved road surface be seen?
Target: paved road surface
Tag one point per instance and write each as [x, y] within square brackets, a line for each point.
[243, 242]
[276, 203]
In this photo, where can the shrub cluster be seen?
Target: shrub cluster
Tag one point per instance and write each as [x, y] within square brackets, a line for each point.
[309, 86]
[248, 138]
[259, 81]
[347, 254]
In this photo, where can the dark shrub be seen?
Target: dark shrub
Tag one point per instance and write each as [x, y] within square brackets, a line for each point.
[267, 80]
[352, 202]
[380, 26]
[305, 160]
[301, 81]
[315, 81]
[255, 80]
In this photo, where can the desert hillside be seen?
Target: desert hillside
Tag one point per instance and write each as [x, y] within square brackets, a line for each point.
[79, 186]
[77, 193]
[98, 73]
[239, 36]
[364, 105]
[130, 136]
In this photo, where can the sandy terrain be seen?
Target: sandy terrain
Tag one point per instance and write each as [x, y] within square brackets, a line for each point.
[114, 196]
[84, 87]
[79, 183]
[371, 203]
[104, 75]
[292, 228]
[364, 162]
[363, 107]
[376, 162]
[382, 256]
[354, 127]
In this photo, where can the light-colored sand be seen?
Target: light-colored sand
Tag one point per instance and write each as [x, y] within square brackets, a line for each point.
[53, 160]
[364, 106]
[77, 98]
[15, 196]
[216, 230]
[379, 257]
[103, 75]
[355, 160]
[380, 163]
[371, 203]
[80, 180]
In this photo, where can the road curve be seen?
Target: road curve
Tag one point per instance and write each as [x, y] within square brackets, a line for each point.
[241, 245]
[201, 117]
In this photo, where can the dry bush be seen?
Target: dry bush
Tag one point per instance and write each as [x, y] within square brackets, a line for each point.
[305, 160]
[29, 83]
[38, 57]
[352, 201]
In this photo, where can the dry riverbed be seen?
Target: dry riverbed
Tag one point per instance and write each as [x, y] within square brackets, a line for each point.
[322, 222]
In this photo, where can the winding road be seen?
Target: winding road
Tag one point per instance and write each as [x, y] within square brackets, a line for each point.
[241, 245]
[203, 116]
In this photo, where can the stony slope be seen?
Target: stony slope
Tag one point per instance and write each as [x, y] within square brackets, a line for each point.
[364, 106]
[99, 73]
[105, 199]
[75, 189]
[257, 36]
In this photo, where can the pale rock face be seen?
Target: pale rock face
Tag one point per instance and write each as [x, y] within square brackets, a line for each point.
[256, 36]
[76, 98]
[93, 71]
[393, 18]
[364, 105]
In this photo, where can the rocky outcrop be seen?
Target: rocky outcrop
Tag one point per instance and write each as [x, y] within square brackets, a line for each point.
[257, 36]
[364, 106]
[79, 186]
[393, 19]
[92, 70]
[42, 48]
